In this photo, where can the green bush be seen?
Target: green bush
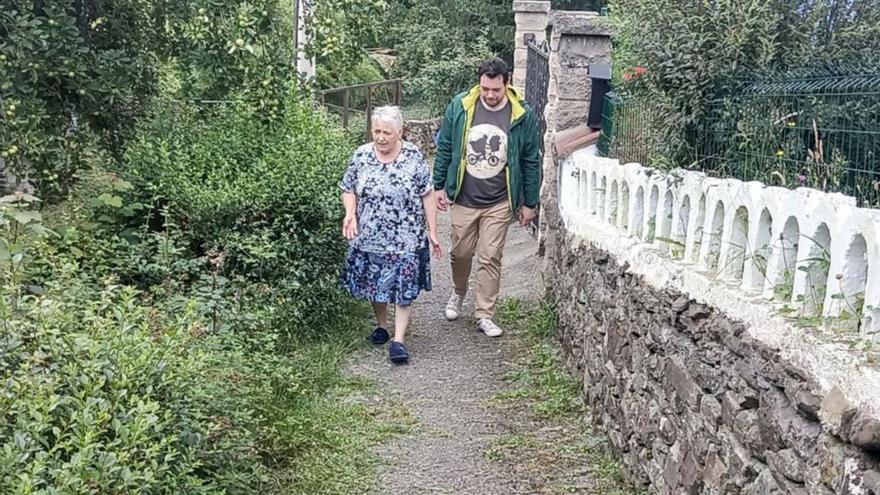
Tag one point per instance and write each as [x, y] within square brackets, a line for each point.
[187, 387]
[150, 310]
[331, 75]
[436, 82]
[440, 44]
[68, 74]
[261, 191]
[696, 52]
[96, 397]
[76, 76]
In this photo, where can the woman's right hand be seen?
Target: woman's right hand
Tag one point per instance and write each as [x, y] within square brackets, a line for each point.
[350, 227]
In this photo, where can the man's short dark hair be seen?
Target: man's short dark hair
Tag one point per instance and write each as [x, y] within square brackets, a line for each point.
[494, 67]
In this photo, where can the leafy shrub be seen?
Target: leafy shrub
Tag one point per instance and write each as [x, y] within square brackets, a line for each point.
[95, 397]
[185, 388]
[67, 70]
[261, 191]
[592, 5]
[142, 346]
[440, 45]
[366, 70]
[434, 83]
[696, 52]
[75, 77]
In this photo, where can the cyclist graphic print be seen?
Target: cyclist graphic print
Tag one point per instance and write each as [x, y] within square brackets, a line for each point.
[488, 151]
[485, 181]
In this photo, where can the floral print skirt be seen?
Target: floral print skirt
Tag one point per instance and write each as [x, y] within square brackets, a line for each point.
[387, 277]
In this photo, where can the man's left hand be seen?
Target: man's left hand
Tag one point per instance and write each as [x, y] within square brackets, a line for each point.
[526, 215]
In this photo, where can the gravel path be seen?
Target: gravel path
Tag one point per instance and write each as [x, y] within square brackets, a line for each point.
[447, 389]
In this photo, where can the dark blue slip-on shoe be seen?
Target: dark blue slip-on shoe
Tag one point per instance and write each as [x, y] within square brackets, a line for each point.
[379, 336]
[397, 353]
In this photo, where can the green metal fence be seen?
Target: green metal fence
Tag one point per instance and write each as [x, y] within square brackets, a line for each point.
[635, 130]
[818, 129]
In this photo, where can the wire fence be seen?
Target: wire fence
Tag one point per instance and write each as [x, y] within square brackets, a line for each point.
[817, 128]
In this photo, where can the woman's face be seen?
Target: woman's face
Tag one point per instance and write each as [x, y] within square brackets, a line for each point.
[385, 136]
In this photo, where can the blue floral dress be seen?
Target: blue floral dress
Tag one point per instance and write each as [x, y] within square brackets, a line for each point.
[389, 261]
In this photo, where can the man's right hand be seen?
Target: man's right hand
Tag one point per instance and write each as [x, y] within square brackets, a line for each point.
[442, 200]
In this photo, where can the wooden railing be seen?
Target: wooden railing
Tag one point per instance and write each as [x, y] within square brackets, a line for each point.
[393, 96]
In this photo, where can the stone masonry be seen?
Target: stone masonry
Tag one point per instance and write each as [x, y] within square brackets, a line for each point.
[577, 40]
[421, 133]
[532, 17]
[690, 402]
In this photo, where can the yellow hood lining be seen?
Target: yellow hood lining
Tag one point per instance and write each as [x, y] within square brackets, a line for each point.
[517, 109]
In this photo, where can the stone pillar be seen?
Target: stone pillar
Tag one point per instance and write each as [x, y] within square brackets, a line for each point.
[577, 40]
[531, 17]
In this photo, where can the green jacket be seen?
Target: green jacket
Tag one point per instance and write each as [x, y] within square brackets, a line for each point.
[523, 149]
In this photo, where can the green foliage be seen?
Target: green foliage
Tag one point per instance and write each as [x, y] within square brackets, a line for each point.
[96, 398]
[695, 51]
[341, 29]
[234, 50]
[333, 75]
[541, 378]
[75, 76]
[555, 399]
[169, 313]
[67, 73]
[22, 227]
[440, 45]
[263, 192]
[95, 386]
[187, 387]
[591, 5]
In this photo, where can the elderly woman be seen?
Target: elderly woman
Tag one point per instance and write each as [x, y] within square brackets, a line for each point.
[389, 200]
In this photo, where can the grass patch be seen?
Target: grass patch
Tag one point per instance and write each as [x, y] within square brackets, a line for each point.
[333, 426]
[541, 379]
[493, 454]
[562, 442]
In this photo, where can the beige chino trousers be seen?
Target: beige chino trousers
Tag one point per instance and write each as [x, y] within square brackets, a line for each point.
[480, 231]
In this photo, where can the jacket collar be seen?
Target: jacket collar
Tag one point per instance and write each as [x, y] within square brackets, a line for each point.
[517, 107]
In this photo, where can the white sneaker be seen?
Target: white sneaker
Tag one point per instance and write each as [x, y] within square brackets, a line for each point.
[489, 327]
[453, 306]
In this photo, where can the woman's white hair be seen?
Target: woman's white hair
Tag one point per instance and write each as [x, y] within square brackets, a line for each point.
[390, 115]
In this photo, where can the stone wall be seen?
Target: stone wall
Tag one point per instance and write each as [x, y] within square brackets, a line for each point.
[702, 386]
[421, 133]
[689, 402]
[727, 333]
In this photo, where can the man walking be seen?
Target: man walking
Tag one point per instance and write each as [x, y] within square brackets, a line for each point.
[487, 169]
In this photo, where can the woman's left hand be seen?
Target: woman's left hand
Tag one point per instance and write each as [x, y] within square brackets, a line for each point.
[435, 244]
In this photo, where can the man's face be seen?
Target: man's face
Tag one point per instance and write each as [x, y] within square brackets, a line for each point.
[492, 89]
